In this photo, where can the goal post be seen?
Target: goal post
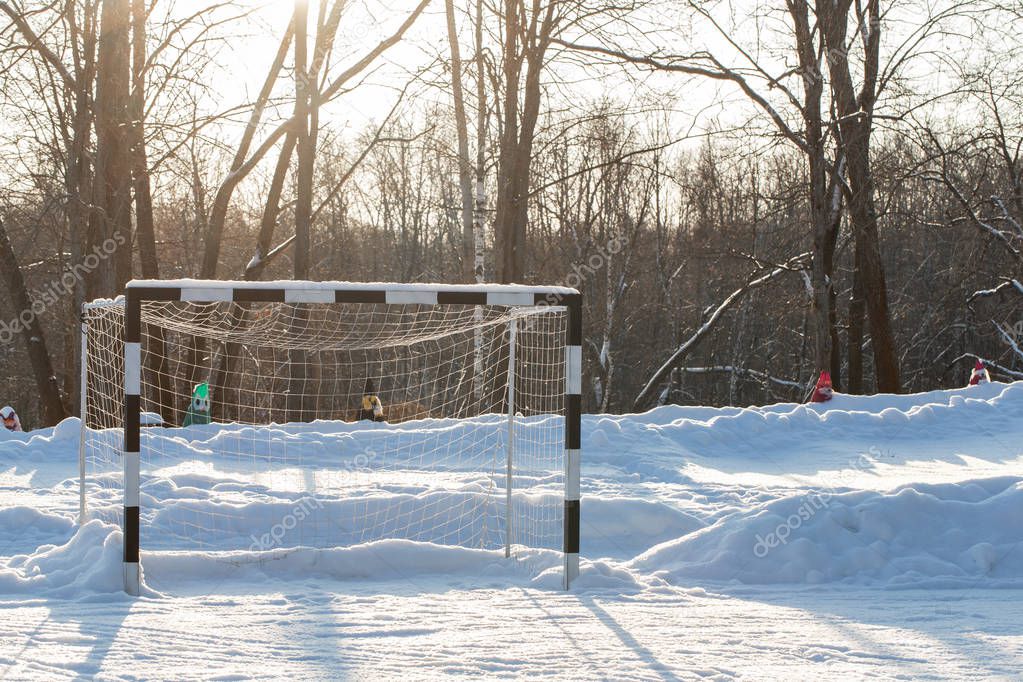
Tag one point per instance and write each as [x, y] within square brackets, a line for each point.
[310, 344]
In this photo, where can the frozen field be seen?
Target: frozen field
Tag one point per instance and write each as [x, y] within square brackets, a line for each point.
[870, 537]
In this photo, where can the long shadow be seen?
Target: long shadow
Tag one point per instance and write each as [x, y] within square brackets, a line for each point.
[974, 623]
[105, 639]
[644, 654]
[29, 638]
[930, 610]
[580, 647]
[102, 621]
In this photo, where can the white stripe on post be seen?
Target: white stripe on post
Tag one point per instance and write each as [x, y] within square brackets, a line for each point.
[133, 368]
[571, 569]
[400, 297]
[572, 475]
[510, 298]
[132, 579]
[308, 295]
[207, 294]
[131, 479]
[574, 370]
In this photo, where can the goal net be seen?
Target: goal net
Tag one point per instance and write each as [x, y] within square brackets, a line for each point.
[259, 417]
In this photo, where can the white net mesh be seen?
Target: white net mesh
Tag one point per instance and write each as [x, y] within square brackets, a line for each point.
[286, 460]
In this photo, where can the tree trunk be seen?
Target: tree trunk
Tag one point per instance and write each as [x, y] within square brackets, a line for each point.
[480, 207]
[872, 275]
[78, 179]
[51, 406]
[298, 361]
[836, 225]
[144, 226]
[306, 140]
[820, 209]
[857, 311]
[855, 124]
[113, 140]
[516, 155]
[479, 244]
[225, 376]
[462, 128]
[509, 266]
[155, 351]
[242, 163]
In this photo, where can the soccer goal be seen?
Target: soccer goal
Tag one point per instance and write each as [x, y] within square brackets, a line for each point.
[326, 415]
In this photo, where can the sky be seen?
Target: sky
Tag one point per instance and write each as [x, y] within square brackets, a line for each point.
[243, 51]
[242, 63]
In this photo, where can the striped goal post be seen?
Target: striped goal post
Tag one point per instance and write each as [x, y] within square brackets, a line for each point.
[141, 294]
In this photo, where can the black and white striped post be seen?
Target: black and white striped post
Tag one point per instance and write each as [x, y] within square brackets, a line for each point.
[132, 435]
[573, 433]
[201, 291]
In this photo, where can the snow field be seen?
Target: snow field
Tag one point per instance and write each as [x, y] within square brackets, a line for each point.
[870, 536]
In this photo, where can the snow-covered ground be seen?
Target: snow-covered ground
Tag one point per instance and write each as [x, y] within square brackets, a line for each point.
[868, 537]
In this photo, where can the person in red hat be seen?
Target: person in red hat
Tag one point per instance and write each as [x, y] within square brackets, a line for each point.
[979, 375]
[823, 392]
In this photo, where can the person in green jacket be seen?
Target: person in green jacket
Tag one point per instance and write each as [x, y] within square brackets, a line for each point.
[199, 408]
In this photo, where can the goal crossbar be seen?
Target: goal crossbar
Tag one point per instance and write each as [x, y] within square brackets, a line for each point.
[140, 292]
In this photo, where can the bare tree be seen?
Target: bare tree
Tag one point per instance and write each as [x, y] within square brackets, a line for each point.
[113, 142]
[31, 332]
[812, 141]
[244, 161]
[855, 123]
[462, 130]
[528, 31]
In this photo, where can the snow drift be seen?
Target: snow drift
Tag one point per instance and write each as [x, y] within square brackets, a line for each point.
[963, 532]
[882, 490]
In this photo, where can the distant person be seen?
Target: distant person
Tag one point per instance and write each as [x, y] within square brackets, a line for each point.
[10, 417]
[823, 392]
[199, 406]
[980, 374]
[372, 408]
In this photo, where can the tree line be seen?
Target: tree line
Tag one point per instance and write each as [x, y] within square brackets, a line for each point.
[852, 202]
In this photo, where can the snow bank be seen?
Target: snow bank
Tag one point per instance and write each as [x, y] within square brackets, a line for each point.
[800, 444]
[754, 496]
[402, 562]
[966, 533]
[739, 431]
[24, 528]
[28, 520]
[62, 434]
[91, 561]
[622, 527]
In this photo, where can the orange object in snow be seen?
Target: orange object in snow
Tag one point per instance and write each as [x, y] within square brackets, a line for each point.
[822, 392]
